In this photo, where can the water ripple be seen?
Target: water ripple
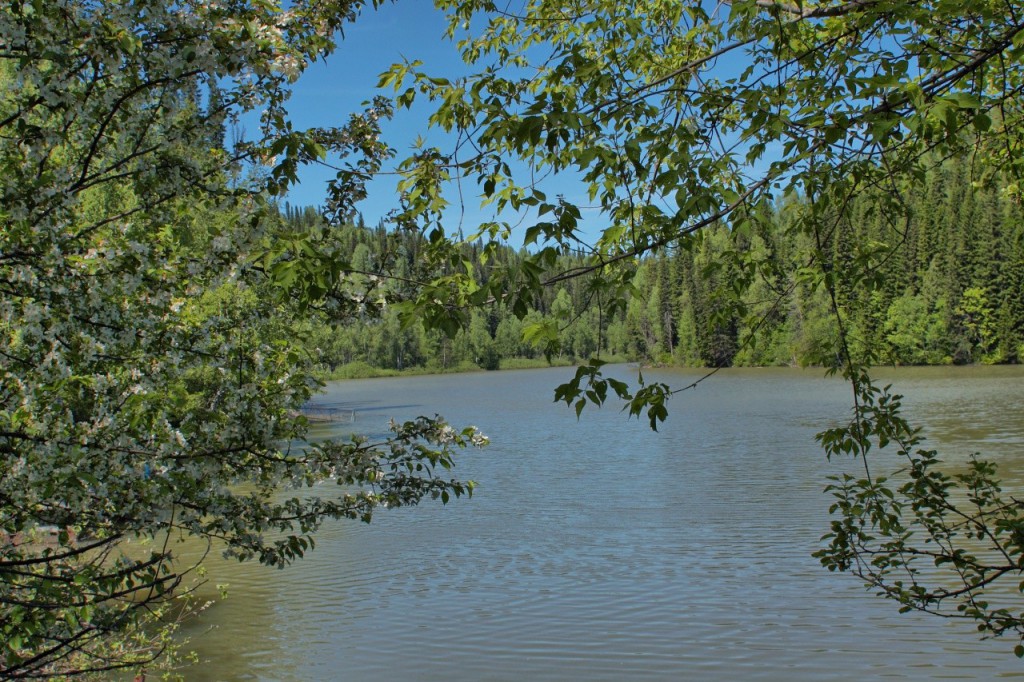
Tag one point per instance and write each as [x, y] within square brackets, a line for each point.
[602, 551]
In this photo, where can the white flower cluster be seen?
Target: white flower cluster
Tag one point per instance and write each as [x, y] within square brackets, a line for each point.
[478, 439]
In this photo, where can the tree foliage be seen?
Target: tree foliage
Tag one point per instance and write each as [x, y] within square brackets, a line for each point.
[150, 375]
[950, 295]
[646, 123]
[150, 386]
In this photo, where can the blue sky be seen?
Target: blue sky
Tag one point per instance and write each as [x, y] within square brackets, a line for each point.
[331, 90]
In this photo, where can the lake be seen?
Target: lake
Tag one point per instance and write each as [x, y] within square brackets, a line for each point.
[599, 550]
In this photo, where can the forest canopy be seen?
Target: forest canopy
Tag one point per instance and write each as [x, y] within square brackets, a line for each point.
[950, 294]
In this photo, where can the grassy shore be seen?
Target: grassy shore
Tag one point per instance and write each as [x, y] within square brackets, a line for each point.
[362, 370]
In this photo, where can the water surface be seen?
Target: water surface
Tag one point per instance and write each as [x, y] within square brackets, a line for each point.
[598, 550]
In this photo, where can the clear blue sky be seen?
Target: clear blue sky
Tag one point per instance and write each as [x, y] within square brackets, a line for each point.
[330, 91]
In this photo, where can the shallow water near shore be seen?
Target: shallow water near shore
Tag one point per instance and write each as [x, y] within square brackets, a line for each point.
[599, 550]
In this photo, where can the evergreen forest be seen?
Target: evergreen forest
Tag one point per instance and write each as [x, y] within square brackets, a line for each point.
[947, 267]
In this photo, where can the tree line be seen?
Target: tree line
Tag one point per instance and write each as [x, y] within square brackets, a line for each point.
[947, 264]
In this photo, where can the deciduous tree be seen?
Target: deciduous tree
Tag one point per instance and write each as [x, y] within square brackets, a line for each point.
[625, 128]
[148, 386]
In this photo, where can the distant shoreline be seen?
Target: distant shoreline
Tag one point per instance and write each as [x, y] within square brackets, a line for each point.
[361, 370]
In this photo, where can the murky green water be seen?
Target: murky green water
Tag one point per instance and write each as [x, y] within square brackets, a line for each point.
[597, 550]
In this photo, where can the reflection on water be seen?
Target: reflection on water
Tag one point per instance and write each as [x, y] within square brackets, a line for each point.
[598, 550]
